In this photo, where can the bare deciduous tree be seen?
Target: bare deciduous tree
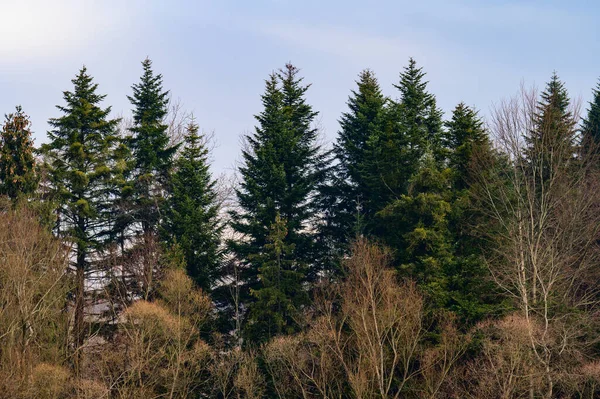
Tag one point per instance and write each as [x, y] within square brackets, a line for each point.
[34, 317]
[543, 201]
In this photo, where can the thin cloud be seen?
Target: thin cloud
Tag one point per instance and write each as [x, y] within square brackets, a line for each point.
[41, 28]
[342, 42]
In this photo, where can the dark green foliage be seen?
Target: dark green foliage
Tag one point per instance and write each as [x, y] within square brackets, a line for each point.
[152, 154]
[413, 127]
[18, 175]
[471, 292]
[416, 225]
[350, 206]
[280, 296]
[465, 137]
[591, 124]
[192, 211]
[431, 227]
[420, 119]
[553, 137]
[282, 171]
[79, 160]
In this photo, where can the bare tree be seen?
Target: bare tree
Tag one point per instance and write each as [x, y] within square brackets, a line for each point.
[365, 338]
[543, 202]
[34, 316]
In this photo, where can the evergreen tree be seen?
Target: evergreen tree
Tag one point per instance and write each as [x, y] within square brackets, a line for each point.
[192, 211]
[417, 226]
[277, 302]
[591, 124]
[413, 127]
[553, 137]
[79, 160]
[464, 137]
[470, 292]
[283, 168]
[420, 119]
[18, 176]
[152, 154]
[349, 194]
[429, 226]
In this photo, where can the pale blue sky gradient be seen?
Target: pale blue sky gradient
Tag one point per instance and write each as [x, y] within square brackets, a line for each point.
[215, 55]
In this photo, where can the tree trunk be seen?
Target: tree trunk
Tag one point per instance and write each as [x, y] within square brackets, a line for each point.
[78, 327]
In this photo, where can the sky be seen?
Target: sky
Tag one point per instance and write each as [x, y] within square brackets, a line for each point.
[215, 55]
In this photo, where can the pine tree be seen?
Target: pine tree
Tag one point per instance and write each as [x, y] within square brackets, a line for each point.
[151, 151]
[192, 211]
[591, 124]
[79, 161]
[283, 168]
[350, 207]
[18, 176]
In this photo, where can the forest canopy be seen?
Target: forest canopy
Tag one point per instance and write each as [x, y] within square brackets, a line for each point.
[421, 255]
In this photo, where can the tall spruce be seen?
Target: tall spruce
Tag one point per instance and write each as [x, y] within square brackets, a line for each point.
[192, 211]
[553, 138]
[151, 152]
[18, 176]
[414, 126]
[351, 206]
[471, 293]
[420, 119]
[416, 225]
[282, 169]
[79, 159]
[430, 227]
[591, 124]
[464, 138]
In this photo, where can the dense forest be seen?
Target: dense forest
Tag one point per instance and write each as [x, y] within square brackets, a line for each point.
[420, 256]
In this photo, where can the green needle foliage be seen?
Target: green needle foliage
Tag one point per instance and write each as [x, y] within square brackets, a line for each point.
[591, 124]
[351, 206]
[192, 211]
[282, 170]
[553, 137]
[18, 175]
[79, 159]
[152, 154]
[414, 127]
[280, 297]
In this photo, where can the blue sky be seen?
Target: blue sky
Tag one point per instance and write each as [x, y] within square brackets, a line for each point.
[215, 55]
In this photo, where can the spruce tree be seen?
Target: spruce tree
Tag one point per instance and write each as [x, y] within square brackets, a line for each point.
[18, 176]
[464, 138]
[79, 160]
[416, 225]
[192, 211]
[152, 154]
[591, 124]
[420, 119]
[350, 204]
[413, 127]
[470, 291]
[282, 170]
[553, 137]
[277, 302]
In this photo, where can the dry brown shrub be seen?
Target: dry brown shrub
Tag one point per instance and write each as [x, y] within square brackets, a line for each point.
[49, 381]
[33, 300]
